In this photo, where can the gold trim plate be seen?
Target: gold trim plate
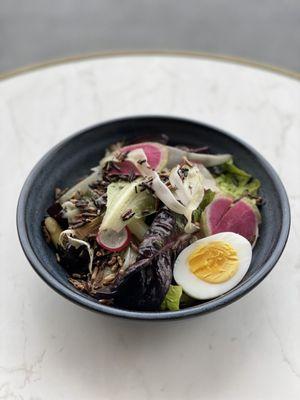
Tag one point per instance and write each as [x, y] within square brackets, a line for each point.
[164, 53]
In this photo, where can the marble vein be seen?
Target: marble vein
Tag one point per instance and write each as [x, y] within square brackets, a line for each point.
[285, 358]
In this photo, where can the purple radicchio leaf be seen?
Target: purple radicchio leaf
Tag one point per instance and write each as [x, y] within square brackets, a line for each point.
[146, 282]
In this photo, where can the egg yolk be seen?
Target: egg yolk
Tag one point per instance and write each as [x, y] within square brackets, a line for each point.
[215, 262]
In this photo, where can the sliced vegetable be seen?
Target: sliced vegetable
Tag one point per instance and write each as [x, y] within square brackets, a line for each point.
[214, 212]
[222, 215]
[172, 299]
[156, 153]
[114, 241]
[188, 189]
[208, 181]
[139, 160]
[53, 229]
[117, 164]
[158, 156]
[194, 195]
[82, 187]
[176, 155]
[242, 218]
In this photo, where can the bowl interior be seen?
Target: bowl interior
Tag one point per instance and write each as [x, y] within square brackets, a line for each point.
[73, 158]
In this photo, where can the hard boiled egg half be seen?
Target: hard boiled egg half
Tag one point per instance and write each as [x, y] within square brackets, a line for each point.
[213, 265]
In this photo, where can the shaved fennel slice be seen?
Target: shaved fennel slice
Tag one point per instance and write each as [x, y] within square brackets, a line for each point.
[188, 190]
[83, 186]
[181, 191]
[68, 237]
[139, 160]
[209, 160]
[209, 181]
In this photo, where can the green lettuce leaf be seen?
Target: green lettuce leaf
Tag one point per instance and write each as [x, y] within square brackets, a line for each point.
[123, 197]
[172, 300]
[176, 299]
[235, 182]
[233, 169]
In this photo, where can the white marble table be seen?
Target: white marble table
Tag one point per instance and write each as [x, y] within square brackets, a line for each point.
[51, 349]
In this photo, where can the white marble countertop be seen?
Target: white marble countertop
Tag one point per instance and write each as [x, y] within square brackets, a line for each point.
[50, 349]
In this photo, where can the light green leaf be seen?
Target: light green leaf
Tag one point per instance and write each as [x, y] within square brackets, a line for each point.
[236, 182]
[233, 169]
[172, 300]
[125, 197]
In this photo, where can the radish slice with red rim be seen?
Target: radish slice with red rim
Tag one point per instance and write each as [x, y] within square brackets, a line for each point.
[114, 241]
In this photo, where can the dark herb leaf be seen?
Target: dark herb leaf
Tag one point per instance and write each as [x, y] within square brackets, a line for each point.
[153, 268]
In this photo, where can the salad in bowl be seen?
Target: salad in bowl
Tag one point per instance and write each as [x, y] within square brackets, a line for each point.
[156, 227]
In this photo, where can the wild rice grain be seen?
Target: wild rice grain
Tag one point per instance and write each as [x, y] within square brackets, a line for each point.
[106, 302]
[127, 215]
[115, 267]
[120, 261]
[94, 274]
[108, 279]
[187, 162]
[112, 261]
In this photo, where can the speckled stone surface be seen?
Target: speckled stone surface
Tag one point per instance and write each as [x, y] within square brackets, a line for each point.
[52, 349]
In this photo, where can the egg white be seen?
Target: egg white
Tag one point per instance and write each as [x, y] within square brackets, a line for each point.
[200, 289]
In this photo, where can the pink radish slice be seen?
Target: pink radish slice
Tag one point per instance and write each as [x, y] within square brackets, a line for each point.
[214, 213]
[157, 155]
[241, 218]
[222, 215]
[114, 241]
[123, 168]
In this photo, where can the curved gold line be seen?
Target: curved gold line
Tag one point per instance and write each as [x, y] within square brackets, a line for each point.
[165, 53]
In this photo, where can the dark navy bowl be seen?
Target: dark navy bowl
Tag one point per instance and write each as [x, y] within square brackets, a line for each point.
[73, 157]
